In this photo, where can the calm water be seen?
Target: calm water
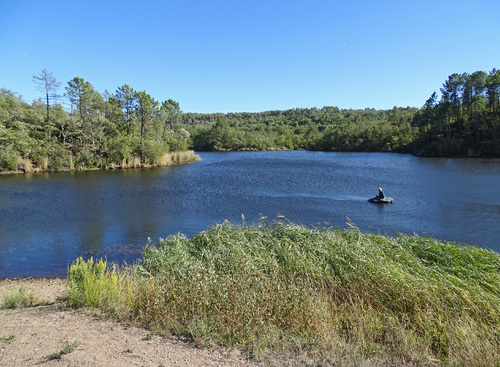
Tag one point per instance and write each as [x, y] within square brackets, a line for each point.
[47, 220]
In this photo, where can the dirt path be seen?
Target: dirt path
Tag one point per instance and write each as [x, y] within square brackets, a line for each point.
[33, 336]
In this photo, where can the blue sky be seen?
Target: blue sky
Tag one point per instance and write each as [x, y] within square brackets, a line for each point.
[251, 56]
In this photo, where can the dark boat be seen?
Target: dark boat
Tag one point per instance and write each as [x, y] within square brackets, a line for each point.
[379, 200]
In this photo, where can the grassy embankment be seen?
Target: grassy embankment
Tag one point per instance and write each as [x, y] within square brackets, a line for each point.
[328, 296]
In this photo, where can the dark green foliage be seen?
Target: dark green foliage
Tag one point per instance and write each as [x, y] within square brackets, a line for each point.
[127, 130]
[327, 128]
[9, 158]
[131, 126]
[466, 121]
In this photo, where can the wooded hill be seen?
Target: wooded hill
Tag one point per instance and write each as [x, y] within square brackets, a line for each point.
[130, 128]
[464, 122]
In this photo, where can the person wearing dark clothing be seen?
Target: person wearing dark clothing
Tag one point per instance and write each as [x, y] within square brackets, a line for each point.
[380, 193]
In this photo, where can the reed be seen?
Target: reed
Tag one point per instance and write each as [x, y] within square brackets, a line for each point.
[27, 165]
[136, 162]
[186, 156]
[164, 160]
[177, 157]
[332, 295]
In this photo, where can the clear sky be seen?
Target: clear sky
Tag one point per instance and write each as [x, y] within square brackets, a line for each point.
[251, 56]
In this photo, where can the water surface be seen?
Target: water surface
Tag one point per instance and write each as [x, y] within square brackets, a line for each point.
[47, 220]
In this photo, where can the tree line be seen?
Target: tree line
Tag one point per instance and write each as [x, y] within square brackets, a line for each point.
[129, 128]
[122, 129]
[465, 121]
[328, 128]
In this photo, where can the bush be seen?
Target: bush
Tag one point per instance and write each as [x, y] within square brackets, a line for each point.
[152, 151]
[85, 159]
[9, 159]
[120, 147]
[59, 158]
[93, 284]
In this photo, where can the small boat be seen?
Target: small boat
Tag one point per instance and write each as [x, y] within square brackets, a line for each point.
[379, 200]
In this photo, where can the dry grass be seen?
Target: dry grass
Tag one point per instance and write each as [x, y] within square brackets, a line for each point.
[27, 165]
[337, 297]
[45, 163]
[19, 298]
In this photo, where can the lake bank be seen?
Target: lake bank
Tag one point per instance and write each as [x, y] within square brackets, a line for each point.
[403, 301]
[167, 160]
[344, 298]
[53, 335]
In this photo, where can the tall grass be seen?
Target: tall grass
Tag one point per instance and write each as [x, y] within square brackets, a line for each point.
[177, 157]
[335, 295]
[26, 164]
[95, 284]
[19, 298]
[167, 159]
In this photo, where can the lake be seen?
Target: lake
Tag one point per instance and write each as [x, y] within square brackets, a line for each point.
[47, 220]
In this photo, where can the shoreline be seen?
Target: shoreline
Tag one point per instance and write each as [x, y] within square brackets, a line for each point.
[191, 157]
[48, 333]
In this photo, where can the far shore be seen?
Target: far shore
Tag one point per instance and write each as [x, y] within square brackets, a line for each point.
[170, 160]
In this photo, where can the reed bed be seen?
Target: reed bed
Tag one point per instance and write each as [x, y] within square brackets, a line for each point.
[167, 159]
[328, 297]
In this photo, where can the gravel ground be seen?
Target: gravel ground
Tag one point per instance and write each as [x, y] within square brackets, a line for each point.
[41, 335]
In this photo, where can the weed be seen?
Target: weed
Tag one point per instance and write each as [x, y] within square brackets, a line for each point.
[19, 298]
[66, 349]
[8, 339]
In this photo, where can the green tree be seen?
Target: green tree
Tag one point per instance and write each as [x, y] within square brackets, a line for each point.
[127, 99]
[170, 112]
[80, 94]
[493, 90]
[145, 110]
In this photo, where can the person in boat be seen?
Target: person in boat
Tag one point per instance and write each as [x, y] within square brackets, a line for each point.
[380, 193]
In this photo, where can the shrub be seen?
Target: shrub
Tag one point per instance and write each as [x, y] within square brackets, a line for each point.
[9, 159]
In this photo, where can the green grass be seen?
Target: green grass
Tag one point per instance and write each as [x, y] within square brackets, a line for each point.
[19, 298]
[67, 348]
[8, 339]
[330, 296]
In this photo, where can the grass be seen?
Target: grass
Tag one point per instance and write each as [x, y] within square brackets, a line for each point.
[8, 339]
[67, 348]
[329, 296]
[167, 159]
[19, 298]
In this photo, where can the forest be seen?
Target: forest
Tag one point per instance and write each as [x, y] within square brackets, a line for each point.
[130, 128]
[465, 121]
[125, 129]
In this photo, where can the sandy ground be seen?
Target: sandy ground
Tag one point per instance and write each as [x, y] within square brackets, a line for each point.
[32, 336]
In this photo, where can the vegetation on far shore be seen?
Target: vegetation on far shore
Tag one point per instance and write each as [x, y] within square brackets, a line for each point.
[319, 296]
[129, 128]
[465, 121]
